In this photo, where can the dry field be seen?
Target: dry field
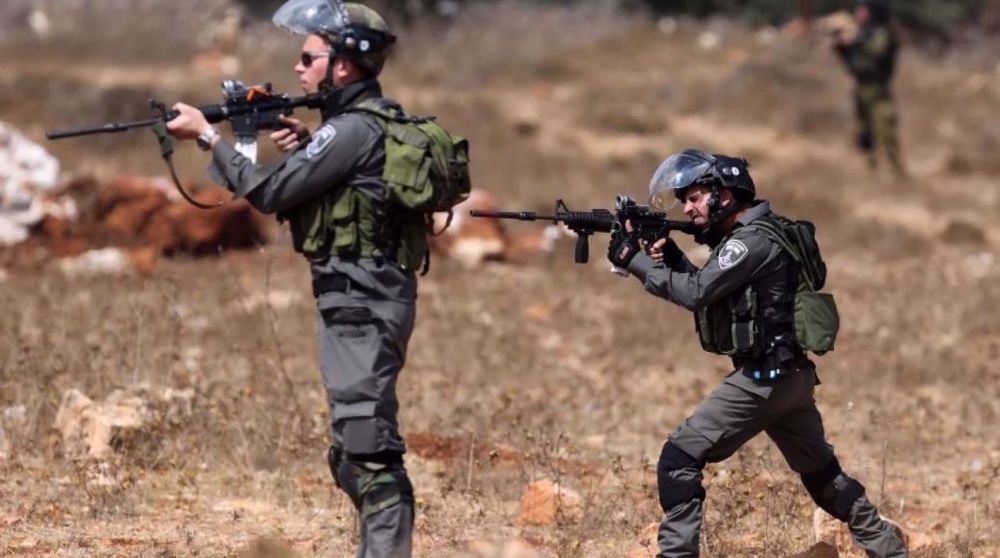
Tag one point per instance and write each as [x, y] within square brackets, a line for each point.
[545, 370]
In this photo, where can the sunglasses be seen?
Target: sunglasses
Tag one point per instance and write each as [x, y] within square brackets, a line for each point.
[307, 58]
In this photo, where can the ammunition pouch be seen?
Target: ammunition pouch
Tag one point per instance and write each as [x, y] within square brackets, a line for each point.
[426, 170]
[341, 224]
[816, 321]
[730, 326]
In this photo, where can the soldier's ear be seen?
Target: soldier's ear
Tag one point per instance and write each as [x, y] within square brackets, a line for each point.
[726, 197]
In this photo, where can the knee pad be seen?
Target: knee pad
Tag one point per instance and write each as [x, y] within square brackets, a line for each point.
[833, 490]
[673, 491]
[382, 487]
[344, 473]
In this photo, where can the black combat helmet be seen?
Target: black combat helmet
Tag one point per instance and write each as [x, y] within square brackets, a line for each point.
[692, 167]
[354, 31]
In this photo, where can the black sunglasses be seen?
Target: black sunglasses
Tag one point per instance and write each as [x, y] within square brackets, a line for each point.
[307, 58]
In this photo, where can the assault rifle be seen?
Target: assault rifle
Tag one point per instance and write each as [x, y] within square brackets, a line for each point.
[248, 109]
[648, 224]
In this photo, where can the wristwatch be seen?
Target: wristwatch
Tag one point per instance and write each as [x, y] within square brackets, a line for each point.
[205, 138]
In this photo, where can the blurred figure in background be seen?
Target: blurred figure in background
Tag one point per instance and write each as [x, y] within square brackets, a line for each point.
[870, 57]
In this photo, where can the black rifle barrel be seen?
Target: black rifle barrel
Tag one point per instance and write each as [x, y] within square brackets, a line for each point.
[519, 215]
[213, 113]
[101, 129]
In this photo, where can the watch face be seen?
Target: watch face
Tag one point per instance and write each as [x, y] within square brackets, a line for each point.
[205, 140]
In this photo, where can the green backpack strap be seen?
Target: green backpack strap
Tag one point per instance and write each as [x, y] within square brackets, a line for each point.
[777, 233]
[816, 318]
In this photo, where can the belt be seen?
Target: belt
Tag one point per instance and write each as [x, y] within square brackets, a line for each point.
[758, 369]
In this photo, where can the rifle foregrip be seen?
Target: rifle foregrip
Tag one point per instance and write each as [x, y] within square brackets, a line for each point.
[582, 254]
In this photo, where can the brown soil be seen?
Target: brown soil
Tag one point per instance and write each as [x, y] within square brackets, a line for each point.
[540, 370]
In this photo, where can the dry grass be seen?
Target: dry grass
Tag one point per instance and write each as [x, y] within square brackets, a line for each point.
[543, 371]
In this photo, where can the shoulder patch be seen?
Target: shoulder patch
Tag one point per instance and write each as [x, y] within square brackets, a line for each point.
[320, 140]
[732, 253]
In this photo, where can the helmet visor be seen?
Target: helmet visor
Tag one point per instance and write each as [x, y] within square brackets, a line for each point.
[677, 172]
[308, 17]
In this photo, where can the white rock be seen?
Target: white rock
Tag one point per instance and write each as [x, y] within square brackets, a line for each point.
[97, 261]
[26, 172]
[275, 299]
[88, 428]
[709, 40]
[667, 25]
[15, 414]
[39, 23]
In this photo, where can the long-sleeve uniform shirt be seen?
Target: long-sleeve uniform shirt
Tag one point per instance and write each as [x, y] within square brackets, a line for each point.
[364, 323]
[746, 257]
[346, 151]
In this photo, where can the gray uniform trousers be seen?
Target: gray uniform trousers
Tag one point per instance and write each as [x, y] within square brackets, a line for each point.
[729, 417]
[362, 334]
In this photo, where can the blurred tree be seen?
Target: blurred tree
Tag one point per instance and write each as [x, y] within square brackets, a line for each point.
[937, 19]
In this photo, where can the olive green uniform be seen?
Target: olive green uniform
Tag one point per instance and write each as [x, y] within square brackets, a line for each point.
[871, 60]
[743, 406]
[365, 301]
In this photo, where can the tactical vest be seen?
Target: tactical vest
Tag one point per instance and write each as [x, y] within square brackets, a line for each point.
[779, 315]
[425, 170]
[754, 321]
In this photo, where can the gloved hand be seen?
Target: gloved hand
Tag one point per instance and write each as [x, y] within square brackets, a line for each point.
[623, 247]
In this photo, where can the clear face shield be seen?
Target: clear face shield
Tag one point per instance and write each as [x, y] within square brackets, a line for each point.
[311, 17]
[677, 172]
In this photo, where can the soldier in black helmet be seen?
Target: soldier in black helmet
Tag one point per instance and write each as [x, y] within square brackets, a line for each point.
[870, 56]
[744, 299]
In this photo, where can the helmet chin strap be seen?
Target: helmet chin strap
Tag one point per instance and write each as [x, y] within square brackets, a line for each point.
[326, 86]
[717, 213]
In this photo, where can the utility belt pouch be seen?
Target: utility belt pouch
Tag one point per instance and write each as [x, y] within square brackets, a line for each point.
[344, 218]
[310, 227]
[407, 165]
[713, 325]
[744, 328]
[816, 321]
[413, 244]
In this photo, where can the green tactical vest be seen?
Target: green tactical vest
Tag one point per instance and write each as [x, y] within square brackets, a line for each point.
[730, 325]
[426, 170]
[736, 325]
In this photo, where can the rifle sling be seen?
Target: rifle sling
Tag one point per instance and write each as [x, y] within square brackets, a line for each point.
[167, 151]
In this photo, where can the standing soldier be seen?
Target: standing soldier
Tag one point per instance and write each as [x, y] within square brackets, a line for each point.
[870, 57]
[744, 301]
[362, 235]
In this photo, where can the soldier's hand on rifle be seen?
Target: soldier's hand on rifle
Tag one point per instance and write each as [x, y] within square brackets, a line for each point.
[188, 124]
[654, 250]
[623, 246]
[289, 138]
